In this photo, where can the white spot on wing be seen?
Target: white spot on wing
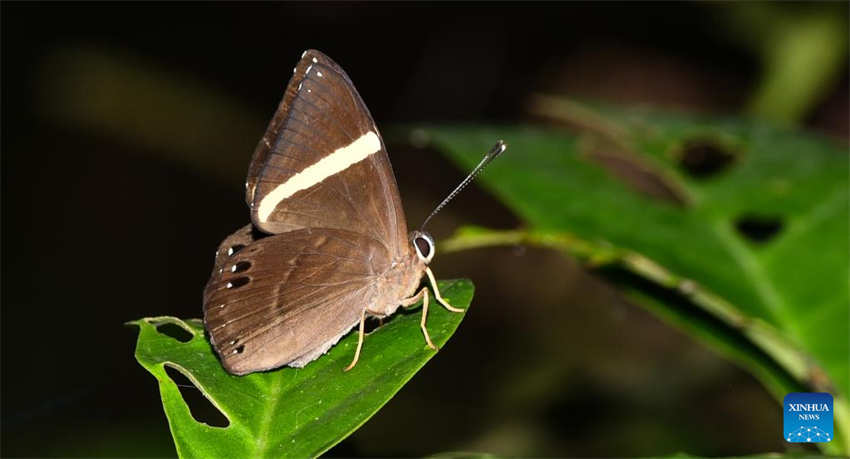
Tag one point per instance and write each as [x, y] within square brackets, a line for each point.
[334, 163]
[303, 54]
[315, 60]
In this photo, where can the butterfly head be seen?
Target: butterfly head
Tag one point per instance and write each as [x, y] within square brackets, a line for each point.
[423, 243]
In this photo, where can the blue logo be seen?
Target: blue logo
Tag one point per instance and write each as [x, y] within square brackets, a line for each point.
[808, 417]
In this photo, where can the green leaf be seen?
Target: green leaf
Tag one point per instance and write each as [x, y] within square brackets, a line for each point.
[291, 412]
[462, 455]
[626, 197]
[803, 54]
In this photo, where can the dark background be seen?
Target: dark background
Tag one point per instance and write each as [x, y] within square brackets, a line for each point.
[126, 134]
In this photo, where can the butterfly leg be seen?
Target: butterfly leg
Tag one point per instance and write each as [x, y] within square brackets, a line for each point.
[423, 294]
[437, 292]
[424, 316]
[412, 300]
[359, 341]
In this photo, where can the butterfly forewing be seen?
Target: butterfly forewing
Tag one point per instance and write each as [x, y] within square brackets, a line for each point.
[260, 297]
[274, 132]
[322, 162]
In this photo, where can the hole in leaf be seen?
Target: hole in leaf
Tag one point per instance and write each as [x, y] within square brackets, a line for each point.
[757, 228]
[238, 282]
[200, 407]
[175, 331]
[704, 158]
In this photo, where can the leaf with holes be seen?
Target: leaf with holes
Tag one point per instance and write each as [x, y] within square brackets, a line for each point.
[734, 230]
[288, 412]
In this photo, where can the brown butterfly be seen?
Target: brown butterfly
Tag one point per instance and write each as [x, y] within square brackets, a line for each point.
[328, 245]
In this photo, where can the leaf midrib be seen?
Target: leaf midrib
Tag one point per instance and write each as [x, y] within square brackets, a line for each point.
[816, 215]
[762, 285]
[754, 269]
[265, 420]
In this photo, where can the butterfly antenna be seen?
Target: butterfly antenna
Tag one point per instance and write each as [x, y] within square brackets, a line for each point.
[490, 156]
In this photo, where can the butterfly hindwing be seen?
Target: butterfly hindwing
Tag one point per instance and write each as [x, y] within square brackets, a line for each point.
[264, 301]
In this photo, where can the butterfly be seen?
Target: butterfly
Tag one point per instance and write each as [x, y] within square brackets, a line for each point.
[328, 244]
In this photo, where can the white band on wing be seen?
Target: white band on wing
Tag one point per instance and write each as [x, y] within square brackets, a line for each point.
[336, 162]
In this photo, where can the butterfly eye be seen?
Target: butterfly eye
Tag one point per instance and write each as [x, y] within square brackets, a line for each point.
[424, 244]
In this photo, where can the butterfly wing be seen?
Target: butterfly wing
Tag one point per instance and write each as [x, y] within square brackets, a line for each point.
[322, 162]
[285, 299]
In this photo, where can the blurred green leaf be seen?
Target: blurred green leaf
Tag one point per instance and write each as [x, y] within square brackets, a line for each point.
[291, 412]
[734, 230]
[177, 116]
[462, 455]
[477, 455]
[803, 53]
